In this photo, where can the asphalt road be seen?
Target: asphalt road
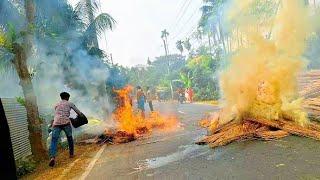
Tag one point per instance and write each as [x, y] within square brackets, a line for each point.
[175, 156]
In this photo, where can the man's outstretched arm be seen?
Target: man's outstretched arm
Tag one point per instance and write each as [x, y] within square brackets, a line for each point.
[75, 109]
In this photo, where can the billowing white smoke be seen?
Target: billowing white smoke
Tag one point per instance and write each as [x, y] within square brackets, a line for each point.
[87, 71]
[49, 79]
[59, 64]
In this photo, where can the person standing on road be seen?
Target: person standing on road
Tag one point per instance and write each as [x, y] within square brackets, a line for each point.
[190, 94]
[60, 123]
[181, 95]
[187, 94]
[149, 99]
[141, 99]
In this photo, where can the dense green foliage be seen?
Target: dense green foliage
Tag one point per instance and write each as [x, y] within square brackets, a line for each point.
[197, 72]
[158, 73]
[203, 69]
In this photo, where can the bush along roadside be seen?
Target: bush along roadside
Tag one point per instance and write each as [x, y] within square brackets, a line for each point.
[25, 166]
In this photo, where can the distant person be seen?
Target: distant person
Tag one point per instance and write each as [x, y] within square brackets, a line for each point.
[187, 94]
[149, 99]
[141, 99]
[181, 96]
[190, 95]
[60, 123]
[158, 96]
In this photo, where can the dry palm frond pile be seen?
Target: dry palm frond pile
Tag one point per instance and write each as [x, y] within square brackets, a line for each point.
[260, 128]
[312, 106]
[113, 136]
[309, 84]
[255, 128]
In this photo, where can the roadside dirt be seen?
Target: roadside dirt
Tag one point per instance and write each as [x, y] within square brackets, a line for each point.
[65, 167]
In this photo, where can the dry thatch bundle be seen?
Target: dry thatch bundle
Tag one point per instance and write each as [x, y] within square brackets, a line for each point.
[262, 128]
[309, 88]
[309, 83]
[251, 128]
[113, 136]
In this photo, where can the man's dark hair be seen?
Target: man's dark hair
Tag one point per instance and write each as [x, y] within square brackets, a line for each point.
[65, 96]
[138, 87]
[148, 87]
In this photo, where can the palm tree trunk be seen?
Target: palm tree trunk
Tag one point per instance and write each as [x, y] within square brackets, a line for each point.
[165, 47]
[230, 43]
[30, 14]
[169, 71]
[20, 64]
[222, 37]
[215, 41]
[165, 44]
[238, 38]
[217, 34]
[241, 39]
[34, 123]
[210, 45]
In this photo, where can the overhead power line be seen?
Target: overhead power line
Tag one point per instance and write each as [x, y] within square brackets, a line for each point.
[182, 4]
[181, 29]
[181, 7]
[183, 12]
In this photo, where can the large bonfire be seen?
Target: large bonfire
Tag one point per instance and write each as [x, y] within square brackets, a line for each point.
[260, 91]
[130, 124]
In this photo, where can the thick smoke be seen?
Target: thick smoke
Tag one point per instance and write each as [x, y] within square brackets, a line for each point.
[59, 64]
[83, 77]
[261, 78]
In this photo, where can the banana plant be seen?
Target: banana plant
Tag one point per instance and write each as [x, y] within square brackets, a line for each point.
[186, 79]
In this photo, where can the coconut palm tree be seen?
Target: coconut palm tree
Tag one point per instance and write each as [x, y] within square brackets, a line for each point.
[93, 26]
[164, 37]
[179, 46]
[211, 20]
[187, 44]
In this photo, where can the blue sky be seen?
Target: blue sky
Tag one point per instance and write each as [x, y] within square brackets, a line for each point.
[139, 25]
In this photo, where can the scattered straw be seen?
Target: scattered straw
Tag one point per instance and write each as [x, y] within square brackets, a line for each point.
[65, 167]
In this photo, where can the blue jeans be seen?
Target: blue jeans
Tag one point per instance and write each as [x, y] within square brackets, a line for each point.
[55, 137]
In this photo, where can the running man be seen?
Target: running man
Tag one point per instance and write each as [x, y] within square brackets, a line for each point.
[60, 123]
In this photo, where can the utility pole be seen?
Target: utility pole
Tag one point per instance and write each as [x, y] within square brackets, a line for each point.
[210, 45]
[164, 37]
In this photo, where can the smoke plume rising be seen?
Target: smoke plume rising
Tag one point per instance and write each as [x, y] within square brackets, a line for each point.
[59, 63]
[261, 79]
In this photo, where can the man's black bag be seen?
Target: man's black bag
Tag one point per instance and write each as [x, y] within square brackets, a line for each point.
[79, 121]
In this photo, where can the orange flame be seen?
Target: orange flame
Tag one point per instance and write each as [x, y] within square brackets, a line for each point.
[133, 123]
